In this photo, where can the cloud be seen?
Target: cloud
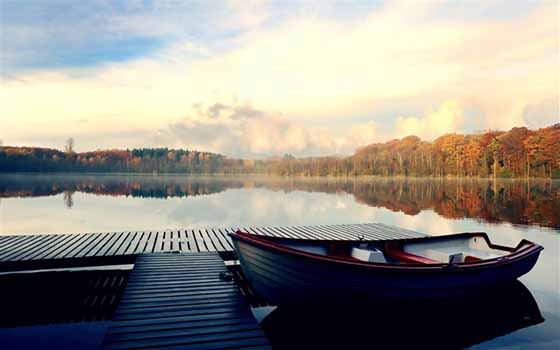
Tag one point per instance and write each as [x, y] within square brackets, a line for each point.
[338, 81]
[244, 131]
[361, 135]
[546, 112]
[36, 35]
[446, 119]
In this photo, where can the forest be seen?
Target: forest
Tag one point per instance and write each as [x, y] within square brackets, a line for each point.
[519, 152]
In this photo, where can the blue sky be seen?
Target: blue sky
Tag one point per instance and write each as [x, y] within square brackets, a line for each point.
[326, 77]
[64, 34]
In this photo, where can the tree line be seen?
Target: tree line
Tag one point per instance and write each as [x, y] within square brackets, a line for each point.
[145, 160]
[520, 152]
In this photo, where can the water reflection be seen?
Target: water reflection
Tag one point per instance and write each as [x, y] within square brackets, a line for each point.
[37, 204]
[453, 323]
[68, 201]
[519, 202]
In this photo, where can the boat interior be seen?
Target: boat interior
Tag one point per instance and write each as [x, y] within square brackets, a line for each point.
[452, 249]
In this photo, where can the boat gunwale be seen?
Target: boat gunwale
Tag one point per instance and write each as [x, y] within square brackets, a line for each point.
[523, 250]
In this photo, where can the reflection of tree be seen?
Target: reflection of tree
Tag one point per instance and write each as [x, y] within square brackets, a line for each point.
[68, 201]
[517, 202]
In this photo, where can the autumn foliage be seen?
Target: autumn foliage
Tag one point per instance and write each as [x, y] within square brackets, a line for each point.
[520, 152]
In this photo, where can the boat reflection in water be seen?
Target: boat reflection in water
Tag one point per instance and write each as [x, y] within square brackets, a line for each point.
[442, 323]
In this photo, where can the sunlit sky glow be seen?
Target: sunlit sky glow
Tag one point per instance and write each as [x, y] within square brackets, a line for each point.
[258, 78]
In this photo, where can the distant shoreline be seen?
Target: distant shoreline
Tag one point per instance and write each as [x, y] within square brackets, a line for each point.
[447, 177]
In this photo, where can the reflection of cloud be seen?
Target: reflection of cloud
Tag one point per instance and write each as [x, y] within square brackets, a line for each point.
[264, 208]
[68, 201]
[427, 222]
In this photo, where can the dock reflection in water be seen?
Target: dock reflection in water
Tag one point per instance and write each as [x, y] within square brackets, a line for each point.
[452, 323]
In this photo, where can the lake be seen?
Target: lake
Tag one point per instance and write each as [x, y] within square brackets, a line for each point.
[508, 210]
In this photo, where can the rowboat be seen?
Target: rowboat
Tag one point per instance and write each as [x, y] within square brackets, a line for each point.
[288, 271]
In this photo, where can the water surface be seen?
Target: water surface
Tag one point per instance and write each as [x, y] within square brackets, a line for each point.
[509, 210]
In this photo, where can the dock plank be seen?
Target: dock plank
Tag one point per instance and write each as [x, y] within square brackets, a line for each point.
[184, 242]
[200, 241]
[142, 244]
[209, 241]
[151, 242]
[192, 241]
[166, 241]
[99, 244]
[108, 243]
[207, 313]
[29, 248]
[158, 245]
[54, 251]
[60, 239]
[26, 248]
[131, 249]
[83, 238]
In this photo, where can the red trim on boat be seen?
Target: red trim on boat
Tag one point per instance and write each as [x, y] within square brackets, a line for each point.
[408, 257]
[470, 258]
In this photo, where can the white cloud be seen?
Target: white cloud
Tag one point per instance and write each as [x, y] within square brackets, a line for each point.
[309, 69]
[242, 130]
[446, 119]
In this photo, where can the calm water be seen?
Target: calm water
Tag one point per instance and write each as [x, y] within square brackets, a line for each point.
[507, 210]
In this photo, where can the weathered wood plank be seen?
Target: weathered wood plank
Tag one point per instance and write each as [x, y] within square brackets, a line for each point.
[167, 241]
[51, 253]
[199, 241]
[78, 248]
[9, 239]
[198, 310]
[76, 244]
[96, 245]
[223, 242]
[14, 243]
[99, 244]
[192, 241]
[151, 242]
[226, 237]
[59, 239]
[131, 249]
[208, 241]
[29, 248]
[22, 245]
[120, 247]
[108, 243]
[142, 244]
[184, 241]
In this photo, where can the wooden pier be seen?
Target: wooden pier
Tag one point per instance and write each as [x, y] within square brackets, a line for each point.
[176, 296]
[67, 250]
[179, 301]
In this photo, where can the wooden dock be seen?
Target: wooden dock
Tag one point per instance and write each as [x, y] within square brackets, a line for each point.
[175, 297]
[67, 250]
[179, 301]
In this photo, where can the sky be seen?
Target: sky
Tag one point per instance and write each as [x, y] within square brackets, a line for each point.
[260, 78]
